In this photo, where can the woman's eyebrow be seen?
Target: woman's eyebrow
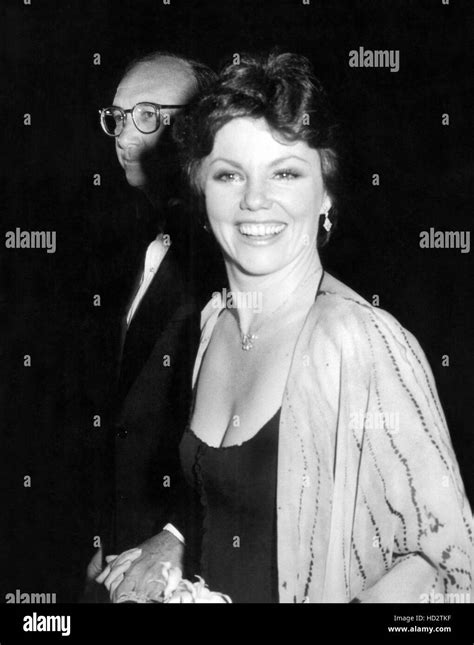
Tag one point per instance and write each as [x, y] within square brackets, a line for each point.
[281, 159]
[275, 162]
[229, 161]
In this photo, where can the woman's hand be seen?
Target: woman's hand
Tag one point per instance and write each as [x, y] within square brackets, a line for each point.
[137, 575]
[94, 568]
[117, 565]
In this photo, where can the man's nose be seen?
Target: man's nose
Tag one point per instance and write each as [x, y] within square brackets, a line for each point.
[129, 134]
[255, 195]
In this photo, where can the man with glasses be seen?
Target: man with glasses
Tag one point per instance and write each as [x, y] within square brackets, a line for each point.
[161, 331]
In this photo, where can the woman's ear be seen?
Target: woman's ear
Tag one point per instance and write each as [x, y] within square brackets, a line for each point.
[326, 204]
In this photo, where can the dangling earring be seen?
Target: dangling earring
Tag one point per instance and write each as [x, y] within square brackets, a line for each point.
[205, 224]
[327, 222]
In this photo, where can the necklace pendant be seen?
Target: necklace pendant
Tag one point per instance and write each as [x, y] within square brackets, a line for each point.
[247, 341]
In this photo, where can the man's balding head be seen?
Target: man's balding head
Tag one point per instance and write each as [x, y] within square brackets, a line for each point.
[156, 78]
[171, 80]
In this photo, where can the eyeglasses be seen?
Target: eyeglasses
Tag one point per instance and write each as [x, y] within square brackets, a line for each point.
[146, 118]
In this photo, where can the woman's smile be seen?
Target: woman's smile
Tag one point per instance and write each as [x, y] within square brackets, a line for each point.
[261, 233]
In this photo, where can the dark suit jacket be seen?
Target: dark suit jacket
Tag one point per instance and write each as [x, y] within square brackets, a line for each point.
[150, 411]
[135, 452]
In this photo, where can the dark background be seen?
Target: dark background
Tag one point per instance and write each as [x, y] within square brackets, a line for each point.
[393, 127]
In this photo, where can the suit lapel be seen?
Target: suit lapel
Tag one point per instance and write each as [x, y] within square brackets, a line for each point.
[151, 317]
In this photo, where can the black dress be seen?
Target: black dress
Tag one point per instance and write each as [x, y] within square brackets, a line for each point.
[234, 493]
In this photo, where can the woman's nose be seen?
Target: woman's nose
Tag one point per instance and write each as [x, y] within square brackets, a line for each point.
[255, 196]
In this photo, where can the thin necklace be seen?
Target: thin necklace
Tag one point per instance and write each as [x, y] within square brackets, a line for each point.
[247, 340]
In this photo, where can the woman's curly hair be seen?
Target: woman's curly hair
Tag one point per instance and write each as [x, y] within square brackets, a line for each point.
[280, 88]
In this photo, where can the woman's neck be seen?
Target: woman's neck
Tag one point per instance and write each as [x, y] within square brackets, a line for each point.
[256, 297]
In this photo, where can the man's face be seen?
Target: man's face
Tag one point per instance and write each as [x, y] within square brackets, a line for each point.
[165, 81]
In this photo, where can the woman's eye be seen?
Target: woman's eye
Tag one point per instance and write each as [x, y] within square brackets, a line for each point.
[287, 174]
[226, 176]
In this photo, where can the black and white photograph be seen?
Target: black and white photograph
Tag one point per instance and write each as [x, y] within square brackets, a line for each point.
[237, 286]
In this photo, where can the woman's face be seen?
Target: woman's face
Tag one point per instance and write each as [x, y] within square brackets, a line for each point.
[263, 197]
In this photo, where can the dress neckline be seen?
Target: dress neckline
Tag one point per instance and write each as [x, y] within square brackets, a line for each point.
[234, 445]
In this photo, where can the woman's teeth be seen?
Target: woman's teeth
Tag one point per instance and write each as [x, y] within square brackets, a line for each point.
[260, 230]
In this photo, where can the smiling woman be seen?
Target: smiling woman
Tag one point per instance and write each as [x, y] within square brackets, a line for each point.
[262, 196]
[292, 105]
[293, 500]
